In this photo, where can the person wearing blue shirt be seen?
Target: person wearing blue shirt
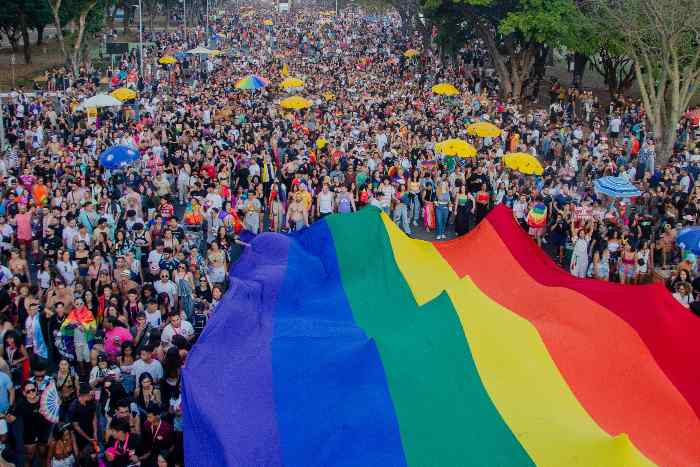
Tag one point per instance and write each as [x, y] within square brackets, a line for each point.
[7, 393]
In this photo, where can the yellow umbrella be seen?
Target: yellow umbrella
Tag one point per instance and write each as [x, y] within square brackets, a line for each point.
[445, 89]
[456, 147]
[247, 14]
[329, 96]
[483, 130]
[268, 22]
[410, 53]
[295, 103]
[321, 142]
[523, 163]
[215, 53]
[291, 83]
[167, 60]
[328, 13]
[123, 94]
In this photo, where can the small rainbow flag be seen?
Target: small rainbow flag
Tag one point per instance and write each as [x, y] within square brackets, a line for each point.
[76, 318]
[537, 217]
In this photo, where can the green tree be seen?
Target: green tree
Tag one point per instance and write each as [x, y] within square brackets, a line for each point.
[515, 32]
[39, 17]
[19, 17]
[662, 37]
[603, 49]
[10, 26]
[89, 19]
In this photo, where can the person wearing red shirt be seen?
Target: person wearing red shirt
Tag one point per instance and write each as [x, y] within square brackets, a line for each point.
[166, 209]
[157, 435]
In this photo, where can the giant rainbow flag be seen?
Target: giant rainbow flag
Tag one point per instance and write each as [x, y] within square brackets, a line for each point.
[350, 344]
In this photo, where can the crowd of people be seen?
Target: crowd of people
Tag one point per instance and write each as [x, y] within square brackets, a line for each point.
[109, 276]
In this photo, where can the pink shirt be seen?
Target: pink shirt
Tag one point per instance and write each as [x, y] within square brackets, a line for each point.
[24, 226]
[123, 334]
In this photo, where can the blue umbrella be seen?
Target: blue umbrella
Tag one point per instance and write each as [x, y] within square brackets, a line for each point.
[117, 157]
[180, 56]
[617, 187]
[689, 239]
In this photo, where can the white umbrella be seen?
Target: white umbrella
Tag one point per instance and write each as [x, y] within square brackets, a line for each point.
[200, 50]
[100, 100]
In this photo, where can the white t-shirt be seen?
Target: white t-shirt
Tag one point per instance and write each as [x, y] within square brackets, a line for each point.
[153, 318]
[325, 202]
[69, 233]
[155, 369]
[44, 279]
[186, 330]
[168, 287]
[519, 209]
[615, 125]
[154, 259]
[6, 232]
[67, 270]
[215, 200]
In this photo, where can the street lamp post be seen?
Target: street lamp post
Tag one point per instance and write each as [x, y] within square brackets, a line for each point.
[184, 18]
[2, 128]
[206, 28]
[140, 40]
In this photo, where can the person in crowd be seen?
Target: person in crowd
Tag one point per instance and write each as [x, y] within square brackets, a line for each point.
[108, 277]
[62, 449]
[36, 429]
[82, 414]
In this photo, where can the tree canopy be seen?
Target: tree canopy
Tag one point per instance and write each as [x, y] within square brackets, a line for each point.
[662, 38]
[515, 32]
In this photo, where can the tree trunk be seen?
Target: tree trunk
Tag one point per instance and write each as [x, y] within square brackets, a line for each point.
[26, 45]
[55, 6]
[665, 140]
[618, 72]
[513, 72]
[40, 34]
[580, 62]
[76, 58]
[14, 41]
[126, 8]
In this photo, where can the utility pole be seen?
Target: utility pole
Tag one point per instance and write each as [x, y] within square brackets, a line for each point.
[206, 28]
[2, 127]
[141, 40]
[184, 18]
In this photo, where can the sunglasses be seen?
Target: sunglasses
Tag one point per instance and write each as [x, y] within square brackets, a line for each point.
[30, 391]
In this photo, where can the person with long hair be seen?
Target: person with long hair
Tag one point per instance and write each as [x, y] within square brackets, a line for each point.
[443, 207]
[465, 210]
[428, 201]
[146, 393]
[17, 357]
[62, 449]
[66, 385]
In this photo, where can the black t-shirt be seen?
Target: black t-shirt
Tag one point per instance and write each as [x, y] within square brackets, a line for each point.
[83, 415]
[123, 450]
[51, 245]
[203, 294]
[36, 428]
[646, 225]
